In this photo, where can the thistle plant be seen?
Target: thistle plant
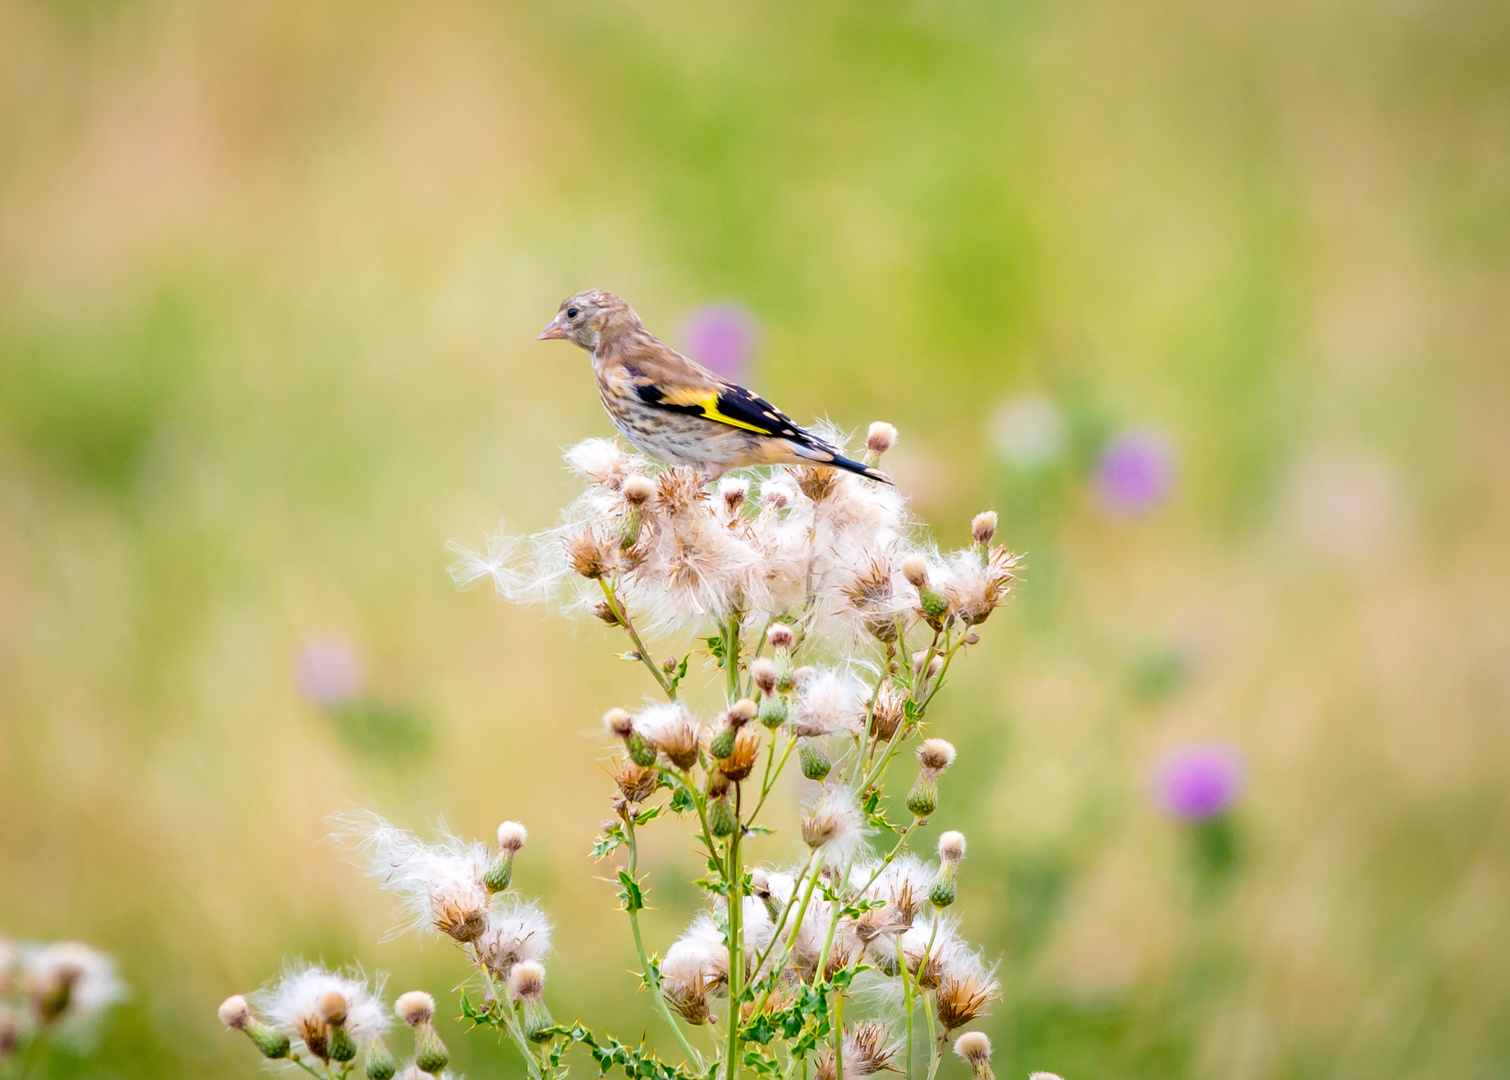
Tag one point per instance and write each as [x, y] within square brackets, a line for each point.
[829, 625]
[51, 995]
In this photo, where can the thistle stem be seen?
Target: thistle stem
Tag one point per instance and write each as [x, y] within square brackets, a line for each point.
[621, 613]
[648, 972]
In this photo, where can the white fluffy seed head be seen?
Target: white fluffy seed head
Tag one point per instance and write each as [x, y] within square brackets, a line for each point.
[763, 672]
[1043, 1076]
[511, 836]
[619, 723]
[975, 1048]
[881, 437]
[638, 489]
[936, 754]
[952, 846]
[527, 980]
[235, 1012]
[835, 826]
[733, 490]
[832, 700]
[780, 636]
[983, 526]
[915, 570]
[415, 1008]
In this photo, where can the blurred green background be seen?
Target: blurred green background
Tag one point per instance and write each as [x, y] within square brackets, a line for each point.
[269, 278]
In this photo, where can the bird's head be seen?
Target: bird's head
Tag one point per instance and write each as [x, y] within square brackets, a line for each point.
[584, 317]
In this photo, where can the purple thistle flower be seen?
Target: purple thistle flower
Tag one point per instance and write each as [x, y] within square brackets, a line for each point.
[1199, 781]
[1136, 471]
[329, 671]
[721, 337]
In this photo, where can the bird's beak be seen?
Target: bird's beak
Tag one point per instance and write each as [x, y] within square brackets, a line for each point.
[552, 332]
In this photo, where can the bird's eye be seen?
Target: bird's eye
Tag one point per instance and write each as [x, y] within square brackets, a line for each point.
[572, 313]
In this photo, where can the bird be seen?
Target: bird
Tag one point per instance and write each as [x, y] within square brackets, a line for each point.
[673, 408]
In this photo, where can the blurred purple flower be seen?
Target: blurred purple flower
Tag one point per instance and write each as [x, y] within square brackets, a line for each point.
[1199, 781]
[329, 671]
[1136, 471]
[721, 337]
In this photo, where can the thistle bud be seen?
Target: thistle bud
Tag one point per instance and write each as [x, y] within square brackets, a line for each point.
[621, 724]
[880, 438]
[236, 1013]
[511, 837]
[815, 763]
[972, 638]
[605, 613]
[773, 712]
[915, 570]
[780, 636]
[951, 851]
[974, 1048]
[741, 712]
[629, 528]
[417, 1009]
[527, 990]
[936, 754]
[721, 820]
[983, 527]
[763, 672]
[923, 799]
[339, 1046]
[380, 1063]
[722, 744]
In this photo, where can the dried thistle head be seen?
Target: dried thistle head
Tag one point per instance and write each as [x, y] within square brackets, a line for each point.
[635, 782]
[889, 713]
[677, 491]
[816, 482]
[671, 730]
[960, 998]
[936, 754]
[638, 489]
[590, 555]
[763, 672]
[868, 1048]
[881, 437]
[738, 765]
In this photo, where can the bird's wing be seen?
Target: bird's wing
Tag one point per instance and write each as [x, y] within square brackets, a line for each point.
[725, 403]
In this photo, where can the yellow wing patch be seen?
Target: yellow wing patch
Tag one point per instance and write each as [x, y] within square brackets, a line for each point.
[707, 402]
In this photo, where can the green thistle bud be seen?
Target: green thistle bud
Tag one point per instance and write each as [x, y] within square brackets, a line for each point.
[341, 1046]
[537, 1020]
[815, 764]
[721, 817]
[944, 886]
[380, 1063]
[430, 1054]
[923, 799]
[631, 532]
[500, 873]
[640, 751]
[935, 607]
[773, 712]
[273, 1045]
[723, 743]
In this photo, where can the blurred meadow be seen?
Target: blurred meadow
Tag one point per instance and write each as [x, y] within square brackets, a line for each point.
[269, 279]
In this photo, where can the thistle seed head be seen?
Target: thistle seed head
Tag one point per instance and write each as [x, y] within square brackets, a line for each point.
[415, 1007]
[936, 754]
[881, 437]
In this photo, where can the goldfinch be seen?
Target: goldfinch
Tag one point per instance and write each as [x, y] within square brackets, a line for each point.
[674, 409]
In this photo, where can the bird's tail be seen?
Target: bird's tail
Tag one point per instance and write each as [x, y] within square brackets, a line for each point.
[853, 466]
[827, 455]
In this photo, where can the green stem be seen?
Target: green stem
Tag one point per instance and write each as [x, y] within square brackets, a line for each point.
[734, 880]
[648, 972]
[907, 991]
[807, 895]
[510, 1022]
[839, 1034]
[771, 778]
[936, 1041]
[297, 1060]
[621, 613]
